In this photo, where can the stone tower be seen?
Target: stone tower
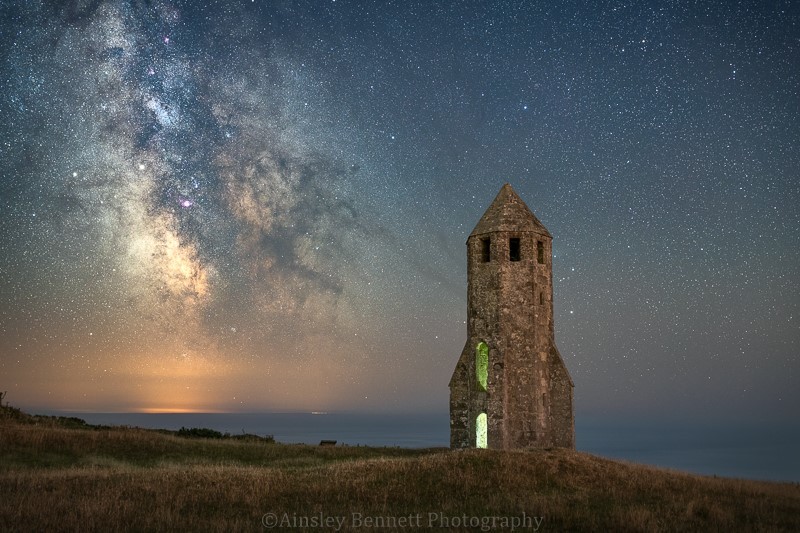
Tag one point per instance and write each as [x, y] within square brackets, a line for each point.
[510, 388]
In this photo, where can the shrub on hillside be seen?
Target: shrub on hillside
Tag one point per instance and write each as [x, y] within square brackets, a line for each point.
[201, 433]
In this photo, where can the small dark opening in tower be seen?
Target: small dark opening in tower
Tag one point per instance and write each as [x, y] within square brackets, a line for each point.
[541, 298]
[486, 250]
[513, 249]
[540, 252]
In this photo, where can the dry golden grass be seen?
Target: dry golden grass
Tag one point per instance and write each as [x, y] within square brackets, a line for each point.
[55, 478]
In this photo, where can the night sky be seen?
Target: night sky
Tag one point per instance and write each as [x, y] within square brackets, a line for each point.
[262, 205]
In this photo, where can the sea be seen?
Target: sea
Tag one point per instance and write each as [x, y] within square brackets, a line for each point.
[747, 452]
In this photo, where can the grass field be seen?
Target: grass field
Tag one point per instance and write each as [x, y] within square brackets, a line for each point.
[60, 474]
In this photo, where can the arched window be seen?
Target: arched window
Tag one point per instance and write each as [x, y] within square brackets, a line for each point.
[482, 365]
[481, 440]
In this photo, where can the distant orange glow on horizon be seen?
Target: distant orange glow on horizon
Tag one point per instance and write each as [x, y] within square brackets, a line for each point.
[175, 410]
[168, 376]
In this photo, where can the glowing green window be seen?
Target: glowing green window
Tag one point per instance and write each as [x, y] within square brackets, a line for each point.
[482, 365]
[480, 431]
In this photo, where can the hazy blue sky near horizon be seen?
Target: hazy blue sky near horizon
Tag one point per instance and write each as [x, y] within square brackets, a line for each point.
[252, 205]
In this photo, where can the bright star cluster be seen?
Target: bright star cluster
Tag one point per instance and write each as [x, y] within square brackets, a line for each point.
[263, 206]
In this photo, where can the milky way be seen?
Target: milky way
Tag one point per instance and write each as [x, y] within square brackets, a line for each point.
[252, 205]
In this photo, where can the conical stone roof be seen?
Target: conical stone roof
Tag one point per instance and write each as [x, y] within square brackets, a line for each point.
[508, 213]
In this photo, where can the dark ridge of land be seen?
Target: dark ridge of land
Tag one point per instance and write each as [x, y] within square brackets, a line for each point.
[62, 474]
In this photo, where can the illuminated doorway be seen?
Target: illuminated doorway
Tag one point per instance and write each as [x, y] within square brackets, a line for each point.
[480, 431]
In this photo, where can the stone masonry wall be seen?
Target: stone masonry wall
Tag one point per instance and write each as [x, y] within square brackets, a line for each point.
[528, 400]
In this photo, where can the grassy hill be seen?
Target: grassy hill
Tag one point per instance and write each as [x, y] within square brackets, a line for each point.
[62, 474]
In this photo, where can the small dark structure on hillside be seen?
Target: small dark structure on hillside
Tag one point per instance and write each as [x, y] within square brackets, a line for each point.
[510, 387]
